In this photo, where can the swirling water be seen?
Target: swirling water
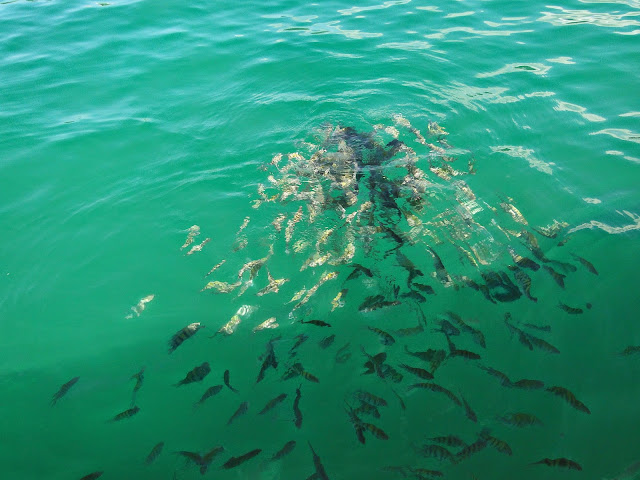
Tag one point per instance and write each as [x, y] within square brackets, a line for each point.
[123, 123]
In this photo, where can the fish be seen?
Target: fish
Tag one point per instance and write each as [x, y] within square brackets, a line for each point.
[520, 419]
[504, 379]
[140, 306]
[273, 403]
[296, 408]
[154, 453]
[527, 384]
[370, 398]
[297, 368]
[447, 328]
[210, 392]
[196, 375]
[300, 340]
[570, 310]
[270, 360]
[449, 441]
[471, 415]
[92, 476]
[588, 265]
[230, 327]
[285, 450]
[523, 262]
[558, 462]
[277, 222]
[359, 270]
[424, 288]
[441, 272]
[269, 323]
[126, 414]
[542, 328]
[215, 267]
[470, 449]
[226, 381]
[194, 231]
[499, 445]
[273, 286]
[375, 431]
[326, 342]
[569, 397]
[343, 354]
[139, 380]
[422, 473]
[208, 457]
[630, 350]
[367, 409]
[198, 248]
[242, 409]
[557, 277]
[183, 334]
[384, 337]
[457, 352]
[235, 461]
[298, 295]
[63, 390]
[541, 344]
[419, 372]
[436, 388]
[514, 213]
[288, 233]
[338, 302]
[320, 474]
[405, 332]
[525, 283]
[317, 323]
[436, 451]
[221, 287]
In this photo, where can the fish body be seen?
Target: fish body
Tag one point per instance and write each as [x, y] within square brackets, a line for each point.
[588, 265]
[437, 388]
[296, 408]
[226, 381]
[92, 476]
[385, 338]
[527, 384]
[630, 350]
[326, 342]
[436, 451]
[449, 441]
[317, 323]
[570, 310]
[126, 414]
[183, 334]
[321, 474]
[267, 324]
[371, 399]
[471, 415]
[210, 392]
[196, 375]
[198, 248]
[569, 397]
[525, 283]
[285, 450]
[215, 267]
[63, 391]
[194, 231]
[559, 462]
[419, 372]
[273, 403]
[273, 286]
[557, 277]
[235, 461]
[221, 287]
[230, 327]
[155, 452]
[520, 420]
[140, 306]
[338, 301]
[242, 409]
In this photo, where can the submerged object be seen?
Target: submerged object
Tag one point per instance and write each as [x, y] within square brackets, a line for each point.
[64, 389]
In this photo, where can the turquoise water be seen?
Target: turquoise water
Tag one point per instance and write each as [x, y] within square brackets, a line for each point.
[125, 123]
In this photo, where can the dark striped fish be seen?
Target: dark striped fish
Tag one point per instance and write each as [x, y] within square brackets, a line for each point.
[375, 431]
[558, 277]
[226, 381]
[326, 342]
[570, 310]
[384, 337]
[272, 403]
[242, 409]
[630, 350]
[436, 388]
[63, 391]
[126, 414]
[320, 474]
[371, 399]
[520, 419]
[449, 441]
[235, 461]
[285, 450]
[525, 283]
[419, 372]
[559, 462]
[436, 451]
[210, 392]
[195, 375]
[296, 409]
[471, 415]
[92, 476]
[569, 397]
[182, 335]
[528, 384]
[155, 452]
[588, 265]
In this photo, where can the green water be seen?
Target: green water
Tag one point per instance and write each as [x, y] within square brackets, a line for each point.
[122, 124]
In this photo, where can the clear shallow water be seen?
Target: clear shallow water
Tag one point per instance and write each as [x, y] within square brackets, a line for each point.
[122, 125]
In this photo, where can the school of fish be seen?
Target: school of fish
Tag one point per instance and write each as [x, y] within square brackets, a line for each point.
[369, 223]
